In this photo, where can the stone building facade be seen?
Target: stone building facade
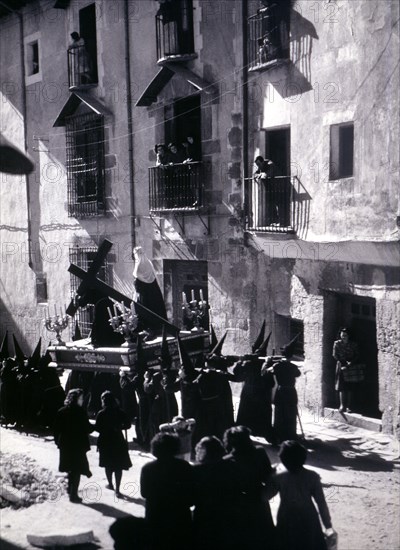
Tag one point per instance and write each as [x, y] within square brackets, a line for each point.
[312, 86]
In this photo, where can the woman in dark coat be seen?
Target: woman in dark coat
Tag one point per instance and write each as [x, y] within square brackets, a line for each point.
[216, 493]
[112, 445]
[167, 484]
[252, 525]
[71, 435]
[298, 524]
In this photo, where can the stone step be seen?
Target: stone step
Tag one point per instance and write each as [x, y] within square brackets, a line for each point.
[354, 419]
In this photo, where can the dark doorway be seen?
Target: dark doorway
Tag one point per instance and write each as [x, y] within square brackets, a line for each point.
[87, 31]
[183, 119]
[277, 149]
[358, 314]
[363, 326]
[183, 276]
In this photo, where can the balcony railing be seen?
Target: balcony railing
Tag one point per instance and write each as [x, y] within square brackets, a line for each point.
[177, 187]
[268, 37]
[80, 67]
[174, 31]
[273, 205]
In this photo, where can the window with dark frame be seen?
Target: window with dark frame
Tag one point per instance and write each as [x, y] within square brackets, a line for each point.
[32, 58]
[174, 29]
[268, 34]
[85, 164]
[341, 160]
[83, 257]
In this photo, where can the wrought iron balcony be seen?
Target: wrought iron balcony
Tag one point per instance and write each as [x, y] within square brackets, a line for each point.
[174, 31]
[176, 187]
[274, 207]
[81, 70]
[268, 32]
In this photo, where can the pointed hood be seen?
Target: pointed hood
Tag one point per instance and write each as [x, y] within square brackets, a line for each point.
[77, 332]
[288, 350]
[185, 360]
[34, 359]
[217, 349]
[262, 350]
[4, 351]
[166, 359]
[19, 354]
[259, 340]
[214, 339]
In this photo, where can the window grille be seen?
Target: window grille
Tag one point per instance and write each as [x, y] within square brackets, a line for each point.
[83, 257]
[85, 165]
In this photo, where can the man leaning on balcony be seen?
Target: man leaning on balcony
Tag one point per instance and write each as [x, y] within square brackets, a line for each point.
[264, 176]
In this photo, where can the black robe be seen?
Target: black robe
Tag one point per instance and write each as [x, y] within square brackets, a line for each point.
[149, 295]
[255, 407]
[168, 487]
[285, 401]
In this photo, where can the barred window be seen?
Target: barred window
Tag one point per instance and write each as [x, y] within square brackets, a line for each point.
[85, 165]
[83, 257]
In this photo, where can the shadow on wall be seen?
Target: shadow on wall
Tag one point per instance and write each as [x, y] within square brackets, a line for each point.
[303, 33]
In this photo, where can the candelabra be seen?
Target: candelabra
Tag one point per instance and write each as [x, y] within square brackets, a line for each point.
[195, 312]
[125, 321]
[57, 324]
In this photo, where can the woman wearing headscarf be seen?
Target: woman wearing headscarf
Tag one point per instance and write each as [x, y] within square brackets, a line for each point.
[113, 447]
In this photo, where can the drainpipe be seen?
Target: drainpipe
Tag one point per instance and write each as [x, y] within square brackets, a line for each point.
[24, 112]
[245, 114]
[129, 114]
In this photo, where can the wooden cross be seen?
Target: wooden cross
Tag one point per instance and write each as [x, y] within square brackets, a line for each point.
[90, 281]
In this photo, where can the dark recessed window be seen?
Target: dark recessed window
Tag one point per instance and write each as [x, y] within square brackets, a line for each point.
[32, 54]
[341, 151]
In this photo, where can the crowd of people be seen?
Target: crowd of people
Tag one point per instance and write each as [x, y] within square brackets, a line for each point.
[212, 492]
[176, 153]
[30, 392]
[222, 500]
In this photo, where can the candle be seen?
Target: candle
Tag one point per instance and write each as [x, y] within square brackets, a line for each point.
[132, 308]
[55, 310]
[115, 310]
[123, 308]
[110, 315]
[201, 294]
[184, 298]
[192, 295]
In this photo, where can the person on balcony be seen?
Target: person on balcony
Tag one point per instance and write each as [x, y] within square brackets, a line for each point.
[268, 190]
[162, 155]
[82, 62]
[177, 154]
[189, 150]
